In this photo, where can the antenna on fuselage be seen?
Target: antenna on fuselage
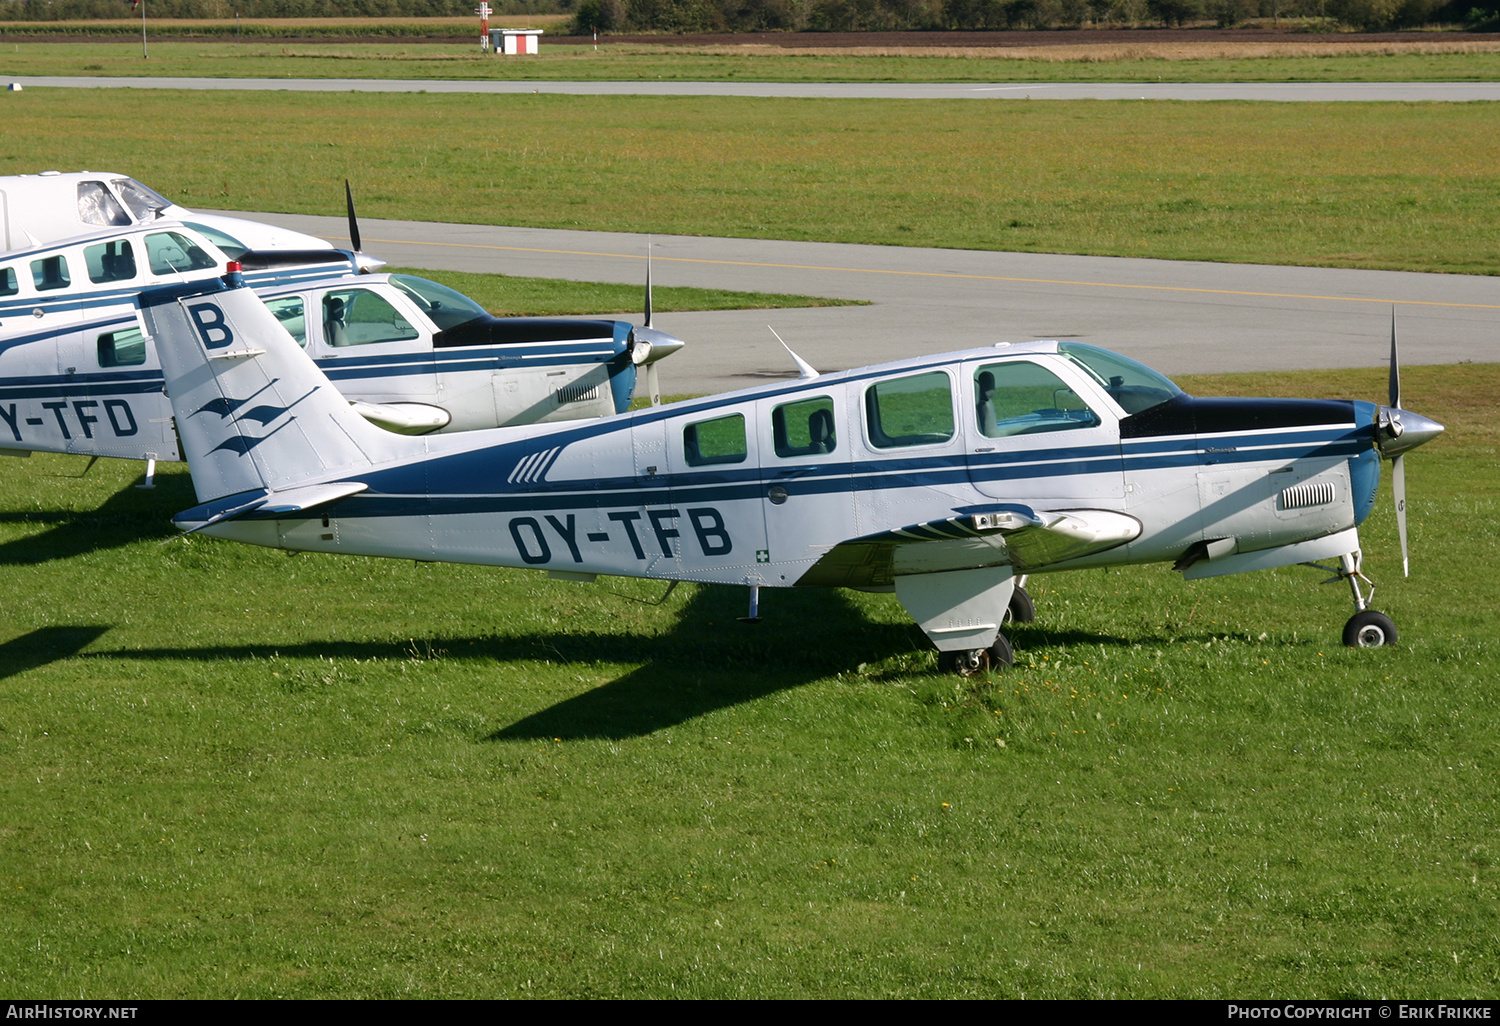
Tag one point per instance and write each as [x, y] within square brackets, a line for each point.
[805, 370]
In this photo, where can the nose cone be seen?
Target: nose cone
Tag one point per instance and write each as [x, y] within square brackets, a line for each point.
[1398, 431]
[652, 344]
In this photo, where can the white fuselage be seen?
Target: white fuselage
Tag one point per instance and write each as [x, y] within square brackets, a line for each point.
[739, 489]
[78, 373]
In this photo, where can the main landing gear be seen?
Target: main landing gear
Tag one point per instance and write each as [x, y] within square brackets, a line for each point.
[975, 661]
[1022, 609]
[1367, 628]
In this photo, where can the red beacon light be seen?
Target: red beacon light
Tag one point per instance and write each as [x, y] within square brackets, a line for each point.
[232, 276]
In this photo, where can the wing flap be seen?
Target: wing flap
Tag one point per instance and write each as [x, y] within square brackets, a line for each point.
[1017, 536]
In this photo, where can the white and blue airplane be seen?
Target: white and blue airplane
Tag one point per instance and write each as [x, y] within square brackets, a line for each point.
[77, 374]
[943, 479]
[56, 205]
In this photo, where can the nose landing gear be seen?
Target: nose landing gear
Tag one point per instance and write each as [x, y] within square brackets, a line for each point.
[1367, 628]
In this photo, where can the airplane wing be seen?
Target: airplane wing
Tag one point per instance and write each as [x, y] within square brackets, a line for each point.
[1013, 535]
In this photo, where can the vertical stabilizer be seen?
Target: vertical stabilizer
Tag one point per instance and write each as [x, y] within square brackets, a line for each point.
[252, 410]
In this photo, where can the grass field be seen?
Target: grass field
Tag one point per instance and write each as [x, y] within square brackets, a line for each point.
[515, 296]
[232, 772]
[1445, 59]
[1410, 186]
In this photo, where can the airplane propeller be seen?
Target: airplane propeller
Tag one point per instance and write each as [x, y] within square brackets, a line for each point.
[366, 264]
[1396, 432]
[649, 344]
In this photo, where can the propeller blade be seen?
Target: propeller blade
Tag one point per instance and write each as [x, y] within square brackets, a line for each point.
[353, 221]
[1395, 367]
[1398, 488]
[653, 385]
[648, 286]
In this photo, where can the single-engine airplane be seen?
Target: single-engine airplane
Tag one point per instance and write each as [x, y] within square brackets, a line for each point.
[78, 376]
[938, 478]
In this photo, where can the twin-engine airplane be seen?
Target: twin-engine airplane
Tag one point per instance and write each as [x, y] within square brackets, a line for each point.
[53, 205]
[941, 479]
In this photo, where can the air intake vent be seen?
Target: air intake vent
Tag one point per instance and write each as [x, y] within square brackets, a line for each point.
[577, 394]
[1314, 493]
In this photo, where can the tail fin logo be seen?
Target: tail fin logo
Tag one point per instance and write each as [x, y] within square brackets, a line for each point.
[242, 444]
[225, 407]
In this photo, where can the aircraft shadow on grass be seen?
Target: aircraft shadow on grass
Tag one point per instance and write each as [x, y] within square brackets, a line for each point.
[45, 645]
[127, 516]
[706, 662]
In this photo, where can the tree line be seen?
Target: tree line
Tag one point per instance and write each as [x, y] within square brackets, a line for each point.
[682, 16]
[87, 10]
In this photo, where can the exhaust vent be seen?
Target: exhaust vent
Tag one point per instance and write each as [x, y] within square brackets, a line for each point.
[577, 394]
[1312, 493]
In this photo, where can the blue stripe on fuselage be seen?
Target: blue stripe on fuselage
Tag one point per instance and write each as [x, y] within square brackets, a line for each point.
[468, 477]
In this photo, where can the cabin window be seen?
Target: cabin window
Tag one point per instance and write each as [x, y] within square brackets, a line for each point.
[123, 348]
[289, 312]
[8, 283]
[1023, 398]
[715, 441]
[359, 317]
[110, 261]
[50, 273]
[174, 253]
[915, 410]
[97, 206]
[804, 428]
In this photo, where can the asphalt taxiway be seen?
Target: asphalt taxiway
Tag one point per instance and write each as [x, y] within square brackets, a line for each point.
[1178, 316]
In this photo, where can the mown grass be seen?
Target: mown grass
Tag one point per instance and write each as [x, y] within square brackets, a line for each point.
[229, 771]
[622, 62]
[1410, 186]
[518, 296]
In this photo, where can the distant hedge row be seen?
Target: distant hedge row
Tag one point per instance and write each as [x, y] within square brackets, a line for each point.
[898, 15]
[74, 10]
[680, 16]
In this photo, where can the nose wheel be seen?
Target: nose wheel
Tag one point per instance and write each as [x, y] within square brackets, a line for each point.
[1367, 628]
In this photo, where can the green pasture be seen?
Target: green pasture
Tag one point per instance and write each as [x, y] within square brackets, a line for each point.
[228, 771]
[624, 62]
[517, 296]
[1408, 186]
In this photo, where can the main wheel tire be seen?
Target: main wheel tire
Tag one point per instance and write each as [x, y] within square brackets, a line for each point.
[1369, 629]
[1001, 654]
[1022, 609]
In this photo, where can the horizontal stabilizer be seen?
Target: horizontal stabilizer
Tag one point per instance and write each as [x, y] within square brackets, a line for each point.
[264, 503]
[1002, 535]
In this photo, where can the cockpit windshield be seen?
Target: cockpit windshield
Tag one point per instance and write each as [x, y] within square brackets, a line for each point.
[233, 248]
[1134, 386]
[447, 308]
[144, 203]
